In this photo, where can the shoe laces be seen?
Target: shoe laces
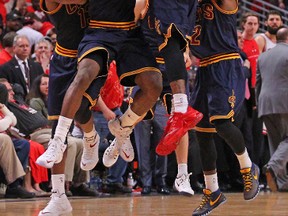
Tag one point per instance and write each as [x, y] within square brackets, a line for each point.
[88, 151]
[52, 150]
[113, 149]
[247, 178]
[184, 180]
[50, 205]
[205, 199]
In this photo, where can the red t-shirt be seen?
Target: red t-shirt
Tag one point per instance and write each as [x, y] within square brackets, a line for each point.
[45, 28]
[4, 56]
[112, 92]
[250, 47]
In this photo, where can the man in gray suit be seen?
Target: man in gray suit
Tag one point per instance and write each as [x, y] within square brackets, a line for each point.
[272, 97]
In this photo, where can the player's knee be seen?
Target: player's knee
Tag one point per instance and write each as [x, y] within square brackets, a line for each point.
[221, 125]
[155, 86]
[150, 84]
[83, 114]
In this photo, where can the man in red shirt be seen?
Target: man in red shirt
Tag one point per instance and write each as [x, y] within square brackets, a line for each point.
[7, 53]
[250, 25]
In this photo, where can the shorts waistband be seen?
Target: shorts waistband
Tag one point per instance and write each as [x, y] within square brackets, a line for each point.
[112, 25]
[217, 58]
[65, 52]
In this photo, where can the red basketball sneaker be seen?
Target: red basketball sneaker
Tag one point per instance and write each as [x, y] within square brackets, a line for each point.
[177, 125]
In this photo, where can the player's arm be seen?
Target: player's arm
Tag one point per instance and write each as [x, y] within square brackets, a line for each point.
[229, 5]
[187, 57]
[140, 9]
[260, 42]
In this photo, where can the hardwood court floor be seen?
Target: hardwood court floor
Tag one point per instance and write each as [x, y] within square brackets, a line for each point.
[136, 205]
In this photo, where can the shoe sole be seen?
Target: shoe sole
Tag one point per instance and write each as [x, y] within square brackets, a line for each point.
[256, 194]
[223, 202]
[44, 164]
[88, 166]
[184, 193]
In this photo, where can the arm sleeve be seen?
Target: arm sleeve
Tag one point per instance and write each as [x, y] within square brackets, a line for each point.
[5, 123]
[9, 114]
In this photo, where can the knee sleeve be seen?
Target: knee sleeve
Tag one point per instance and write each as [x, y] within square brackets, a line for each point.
[82, 116]
[231, 134]
[207, 150]
[174, 61]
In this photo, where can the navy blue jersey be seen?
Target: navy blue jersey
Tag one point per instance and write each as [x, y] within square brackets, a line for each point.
[70, 21]
[215, 31]
[112, 10]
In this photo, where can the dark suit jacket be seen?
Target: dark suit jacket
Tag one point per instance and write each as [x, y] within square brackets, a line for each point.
[12, 72]
[272, 81]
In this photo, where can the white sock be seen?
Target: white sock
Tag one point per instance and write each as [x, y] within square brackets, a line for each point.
[244, 160]
[89, 137]
[58, 183]
[182, 169]
[180, 103]
[211, 182]
[129, 118]
[63, 127]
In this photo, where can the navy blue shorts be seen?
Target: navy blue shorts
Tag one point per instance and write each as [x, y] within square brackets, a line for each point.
[219, 92]
[62, 72]
[127, 47]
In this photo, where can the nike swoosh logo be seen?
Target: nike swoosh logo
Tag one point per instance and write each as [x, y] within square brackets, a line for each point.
[92, 145]
[84, 164]
[49, 161]
[45, 212]
[127, 156]
[213, 202]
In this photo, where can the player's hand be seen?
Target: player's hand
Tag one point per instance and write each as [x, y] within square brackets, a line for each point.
[187, 59]
[246, 63]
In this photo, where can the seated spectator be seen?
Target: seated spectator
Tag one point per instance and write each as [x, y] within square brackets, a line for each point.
[38, 25]
[21, 69]
[52, 35]
[38, 173]
[12, 164]
[38, 12]
[75, 177]
[42, 54]
[7, 52]
[33, 35]
[13, 22]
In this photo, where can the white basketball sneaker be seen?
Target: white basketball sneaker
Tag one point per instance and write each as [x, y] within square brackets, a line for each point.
[58, 205]
[183, 186]
[53, 154]
[111, 154]
[126, 150]
[90, 157]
